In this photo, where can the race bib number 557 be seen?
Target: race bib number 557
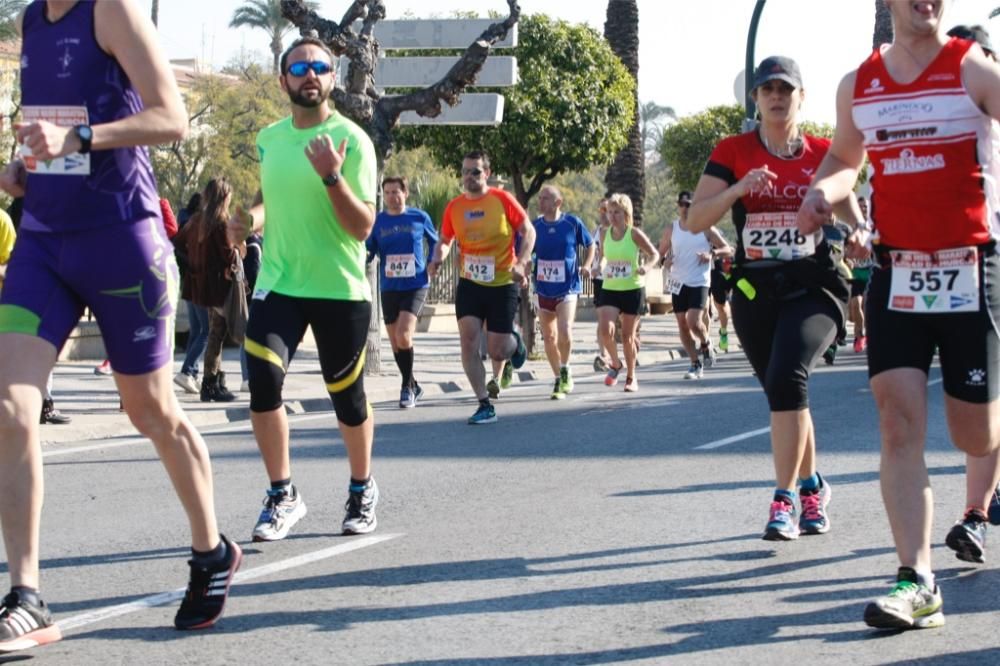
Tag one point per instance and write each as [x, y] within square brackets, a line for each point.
[943, 281]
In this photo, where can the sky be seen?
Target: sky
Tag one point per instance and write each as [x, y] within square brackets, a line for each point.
[690, 51]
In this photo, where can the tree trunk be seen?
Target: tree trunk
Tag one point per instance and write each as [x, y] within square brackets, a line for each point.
[627, 172]
[276, 48]
[154, 13]
[883, 25]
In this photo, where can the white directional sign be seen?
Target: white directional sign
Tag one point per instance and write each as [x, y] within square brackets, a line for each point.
[421, 71]
[472, 109]
[435, 33]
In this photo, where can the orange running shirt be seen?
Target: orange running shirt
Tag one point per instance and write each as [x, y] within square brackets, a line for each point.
[485, 229]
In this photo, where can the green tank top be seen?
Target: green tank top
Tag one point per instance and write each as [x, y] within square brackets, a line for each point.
[621, 268]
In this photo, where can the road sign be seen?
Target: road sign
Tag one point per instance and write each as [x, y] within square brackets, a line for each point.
[472, 109]
[420, 71]
[435, 33]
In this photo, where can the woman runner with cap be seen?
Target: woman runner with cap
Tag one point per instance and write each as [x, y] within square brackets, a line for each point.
[789, 301]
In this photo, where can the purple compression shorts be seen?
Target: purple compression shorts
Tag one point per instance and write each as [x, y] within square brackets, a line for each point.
[125, 273]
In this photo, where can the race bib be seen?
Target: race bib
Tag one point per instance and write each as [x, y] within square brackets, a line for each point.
[550, 270]
[478, 268]
[400, 266]
[674, 286]
[775, 236]
[617, 270]
[937, 282]
[73, 164]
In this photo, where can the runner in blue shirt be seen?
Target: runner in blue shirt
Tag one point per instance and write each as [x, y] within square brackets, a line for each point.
[398, 240]
[557, 280]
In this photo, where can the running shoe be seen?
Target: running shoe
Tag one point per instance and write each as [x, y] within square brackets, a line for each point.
[187, 382]
[566, 379]
[104, 369]
[407, 400]
[860, 344]
[830, 355]
[612, 377]
[208, 589]
[484, 414]
[968, 537]
[493, 389]
[557, 391]
[360, 508]
[520, 353]
[600, 365]
[707, 355]
[24, 625]
[782, 523]
[507, 375]
[909, 605]
[994, 510]
[695, 371]
[280, 513]
[631, 384]
[814, 519]
[418, 393]
[724, 341]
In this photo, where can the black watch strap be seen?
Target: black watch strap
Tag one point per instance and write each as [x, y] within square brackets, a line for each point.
[86, 135]
[332, 179]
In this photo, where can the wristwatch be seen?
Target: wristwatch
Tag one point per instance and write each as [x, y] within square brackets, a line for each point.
[85, 134]
[332, 179]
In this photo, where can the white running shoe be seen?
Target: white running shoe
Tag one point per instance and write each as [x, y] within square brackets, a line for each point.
[281, 512]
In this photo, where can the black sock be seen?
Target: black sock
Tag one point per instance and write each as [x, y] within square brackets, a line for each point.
[484, 402]
[358, 485]
[27, 594]
[209, 557]
[284, 485]
[404, 359]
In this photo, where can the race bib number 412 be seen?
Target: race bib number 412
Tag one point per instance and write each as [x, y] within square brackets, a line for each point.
[775, 236]
[478, 268]
[936, 282]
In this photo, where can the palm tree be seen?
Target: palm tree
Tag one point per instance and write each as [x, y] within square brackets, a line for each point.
[9, 10]
[651, 117]
[883, 25]
[266, 15]
[627, 172]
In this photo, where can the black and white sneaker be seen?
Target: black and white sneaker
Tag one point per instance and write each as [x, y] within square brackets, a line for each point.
[360, 507]
[208, 590]
[281, 511]
[24, 625]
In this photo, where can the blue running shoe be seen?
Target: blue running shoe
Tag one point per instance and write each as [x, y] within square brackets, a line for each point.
[520, 354]
[783, 523]
[485, 414]
[814, 519]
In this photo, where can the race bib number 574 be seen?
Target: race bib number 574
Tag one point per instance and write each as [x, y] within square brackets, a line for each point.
[943, 281]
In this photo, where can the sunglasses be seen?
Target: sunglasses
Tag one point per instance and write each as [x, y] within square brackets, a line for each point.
[302, 68]
[472, 172]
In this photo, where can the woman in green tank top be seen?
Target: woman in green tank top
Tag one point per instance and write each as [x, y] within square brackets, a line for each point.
[627, 256]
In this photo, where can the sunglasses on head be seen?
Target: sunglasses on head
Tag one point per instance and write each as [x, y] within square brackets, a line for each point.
[302, 67]
[472, 172]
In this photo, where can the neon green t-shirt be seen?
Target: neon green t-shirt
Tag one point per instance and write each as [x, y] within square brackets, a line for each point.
[7, 237]
[307, 253]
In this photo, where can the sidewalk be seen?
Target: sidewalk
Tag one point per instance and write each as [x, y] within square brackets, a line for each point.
[92, 400]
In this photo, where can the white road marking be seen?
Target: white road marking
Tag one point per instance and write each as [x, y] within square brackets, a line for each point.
[164, 598]
[730, 440]
[132, 441]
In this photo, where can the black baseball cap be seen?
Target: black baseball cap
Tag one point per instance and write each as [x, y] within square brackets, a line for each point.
[684, 198]
[777, 67]
[974, 33]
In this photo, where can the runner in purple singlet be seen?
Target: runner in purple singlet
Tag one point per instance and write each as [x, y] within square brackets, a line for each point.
[95, 89]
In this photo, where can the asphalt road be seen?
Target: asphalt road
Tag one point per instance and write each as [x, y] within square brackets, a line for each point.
[606, 528]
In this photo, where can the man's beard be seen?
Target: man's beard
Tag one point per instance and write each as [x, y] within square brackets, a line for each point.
[298, 99]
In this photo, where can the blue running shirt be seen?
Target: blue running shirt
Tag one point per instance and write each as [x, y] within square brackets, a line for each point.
[556, 269]
[398, 240]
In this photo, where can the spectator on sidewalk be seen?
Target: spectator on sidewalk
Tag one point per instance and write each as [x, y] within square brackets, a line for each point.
[251, 268]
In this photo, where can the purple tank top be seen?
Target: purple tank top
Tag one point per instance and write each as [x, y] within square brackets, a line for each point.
[68, 79]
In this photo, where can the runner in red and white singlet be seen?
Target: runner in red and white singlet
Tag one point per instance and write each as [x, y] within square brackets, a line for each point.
[922, 108]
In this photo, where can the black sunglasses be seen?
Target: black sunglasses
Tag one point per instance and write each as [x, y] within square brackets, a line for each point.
[472, 172]
[302, 67]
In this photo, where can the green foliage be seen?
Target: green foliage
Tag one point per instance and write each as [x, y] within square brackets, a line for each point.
[687, 144]
[431, 187]
[9, 11]
[226, 114]
[571, 109]
[817, 129]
